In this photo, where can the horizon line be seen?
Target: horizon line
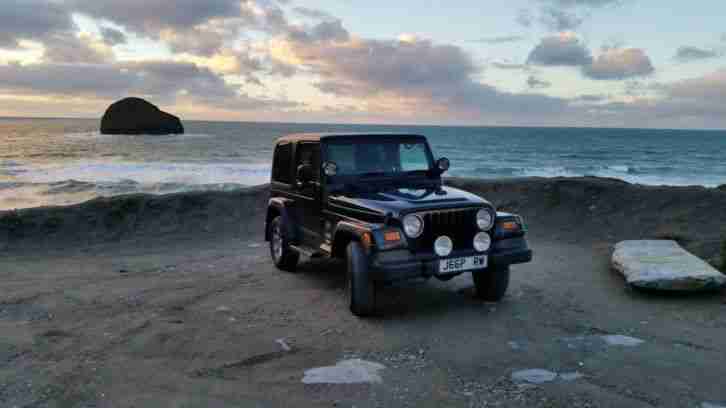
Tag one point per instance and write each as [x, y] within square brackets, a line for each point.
[386, 124]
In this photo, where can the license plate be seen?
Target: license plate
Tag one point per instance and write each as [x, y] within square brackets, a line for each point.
[462, 264]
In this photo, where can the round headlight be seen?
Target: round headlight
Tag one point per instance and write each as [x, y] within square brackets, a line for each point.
[443, 246]
[484, 219]
[482, 241]
[413, 225]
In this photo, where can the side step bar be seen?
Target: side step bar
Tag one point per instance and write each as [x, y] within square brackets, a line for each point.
[307, 251]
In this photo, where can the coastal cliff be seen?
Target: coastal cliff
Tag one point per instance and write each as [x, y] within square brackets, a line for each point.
[583, 209]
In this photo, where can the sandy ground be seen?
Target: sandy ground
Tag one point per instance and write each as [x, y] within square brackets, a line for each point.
[180, 306]
[160, 323]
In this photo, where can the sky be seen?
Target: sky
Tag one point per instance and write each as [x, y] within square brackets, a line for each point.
[612, 63]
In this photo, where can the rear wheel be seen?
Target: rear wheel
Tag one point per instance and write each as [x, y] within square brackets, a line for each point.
[360, 289]
[284, 257]
[491, 283]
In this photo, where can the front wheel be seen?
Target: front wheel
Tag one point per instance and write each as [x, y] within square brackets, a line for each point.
[284, 257]
[491, 283]
[360, 290]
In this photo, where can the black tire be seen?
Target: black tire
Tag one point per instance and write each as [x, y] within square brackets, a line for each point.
[284, 257]
[360, 289]
[491, 283]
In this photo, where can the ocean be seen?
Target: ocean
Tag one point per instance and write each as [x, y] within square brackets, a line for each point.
[66, 161]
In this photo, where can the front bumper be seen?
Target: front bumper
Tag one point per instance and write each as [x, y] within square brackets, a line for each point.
[401, 264]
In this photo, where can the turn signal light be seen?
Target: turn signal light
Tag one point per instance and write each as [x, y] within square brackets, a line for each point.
[510, 226]
[366, 240]
[392, 236]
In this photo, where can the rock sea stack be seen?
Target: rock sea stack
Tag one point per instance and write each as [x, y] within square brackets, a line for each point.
[135, 116]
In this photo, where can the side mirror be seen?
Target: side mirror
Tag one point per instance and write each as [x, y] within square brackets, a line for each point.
[304, 174]
[330, 168]
[442, 165]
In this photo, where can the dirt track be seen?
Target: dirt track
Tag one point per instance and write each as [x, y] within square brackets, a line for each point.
[168, 322]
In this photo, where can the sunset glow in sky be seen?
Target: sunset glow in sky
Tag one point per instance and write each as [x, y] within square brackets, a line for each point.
[627, 63]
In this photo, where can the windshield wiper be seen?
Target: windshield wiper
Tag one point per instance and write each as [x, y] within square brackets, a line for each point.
[373, 174]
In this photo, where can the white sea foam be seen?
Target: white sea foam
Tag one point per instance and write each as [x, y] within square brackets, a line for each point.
[148, 173]
[70, 183]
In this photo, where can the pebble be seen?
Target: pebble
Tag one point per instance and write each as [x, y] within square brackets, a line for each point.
[224, 309]
[283, 344]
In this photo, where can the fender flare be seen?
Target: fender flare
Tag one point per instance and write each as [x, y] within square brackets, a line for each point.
[345, 232]
[280, 206]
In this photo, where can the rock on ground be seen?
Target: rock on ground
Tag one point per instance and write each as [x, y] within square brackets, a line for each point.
[355, 371]
[664, 265]
[534, 376]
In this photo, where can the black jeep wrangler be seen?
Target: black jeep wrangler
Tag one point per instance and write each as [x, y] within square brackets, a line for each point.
[378, 202]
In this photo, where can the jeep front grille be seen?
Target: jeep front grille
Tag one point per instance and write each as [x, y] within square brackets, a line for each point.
[458, 224]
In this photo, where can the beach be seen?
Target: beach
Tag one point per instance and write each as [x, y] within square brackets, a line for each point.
[171, 300]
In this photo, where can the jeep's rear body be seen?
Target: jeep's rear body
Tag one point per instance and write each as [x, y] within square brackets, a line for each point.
[325, 214]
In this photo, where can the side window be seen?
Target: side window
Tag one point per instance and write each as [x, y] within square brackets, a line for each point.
[309, 153]
[344, 156]
[281, 164]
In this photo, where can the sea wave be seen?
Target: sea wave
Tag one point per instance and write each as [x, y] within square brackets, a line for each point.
[98, 135]
[646, 175]
[188, 173]
[25, 195]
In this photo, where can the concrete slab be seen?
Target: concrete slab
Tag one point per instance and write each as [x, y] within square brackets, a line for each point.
[664, 265]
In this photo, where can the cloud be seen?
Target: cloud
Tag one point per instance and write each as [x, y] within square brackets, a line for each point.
[507, 65]
[76, 49]
[710, 88]
[619, 63]
[591, 98]
[312, 13]
[501, 40]
[536, 83]
[191, 26]
[411, 76]
[585, 3]
[557, 19]
[563, 15]
[524, 18]
[564, 49]
[152, 16]
[160, 81]
[113, 36]
[689, 54]
[323, 31]
[31, 20]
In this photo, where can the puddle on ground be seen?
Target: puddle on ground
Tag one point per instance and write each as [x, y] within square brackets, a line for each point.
[23, 312]
[540, 376]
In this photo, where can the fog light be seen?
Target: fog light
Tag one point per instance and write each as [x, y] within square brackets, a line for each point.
[443, 246]
[482, 241]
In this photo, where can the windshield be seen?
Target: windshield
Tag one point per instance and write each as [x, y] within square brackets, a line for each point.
[356, 158]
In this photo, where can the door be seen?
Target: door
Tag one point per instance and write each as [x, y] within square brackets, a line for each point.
[308, 153]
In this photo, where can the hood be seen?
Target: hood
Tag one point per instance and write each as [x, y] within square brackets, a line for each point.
[403, 200]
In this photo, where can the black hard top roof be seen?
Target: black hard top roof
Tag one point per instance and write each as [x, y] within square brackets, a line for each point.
[316, 137]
